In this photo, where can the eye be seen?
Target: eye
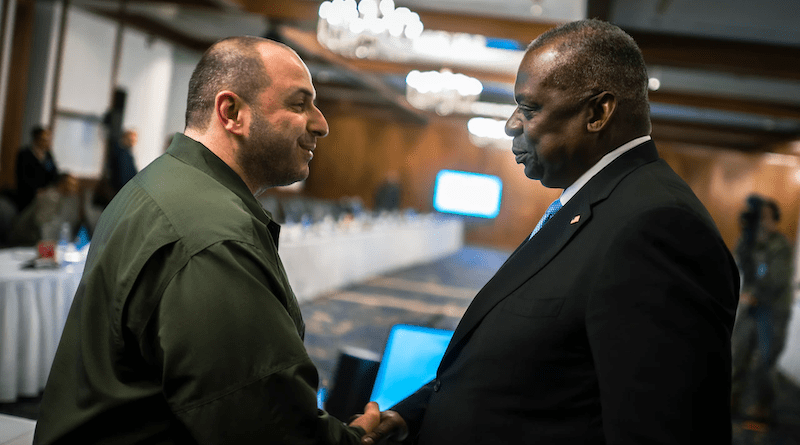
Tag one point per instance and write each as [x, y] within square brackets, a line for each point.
[527, 111]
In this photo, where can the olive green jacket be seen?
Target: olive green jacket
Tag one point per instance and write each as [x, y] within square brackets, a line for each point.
[184, 328]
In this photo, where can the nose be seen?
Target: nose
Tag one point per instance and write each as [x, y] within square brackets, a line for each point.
[513, 125]
[317, 124]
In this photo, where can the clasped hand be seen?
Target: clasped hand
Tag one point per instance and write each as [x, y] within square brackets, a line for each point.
[381, 427]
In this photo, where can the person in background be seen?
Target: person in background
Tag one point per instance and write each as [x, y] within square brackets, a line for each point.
[119, 168]
[185, 328]
[46, 197]
[387, 196]
[764, 257]
[121, 164]
[36, 167]
[611, 323]
[45, 216]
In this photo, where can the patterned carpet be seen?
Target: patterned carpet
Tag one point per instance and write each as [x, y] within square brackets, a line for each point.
[436, 295]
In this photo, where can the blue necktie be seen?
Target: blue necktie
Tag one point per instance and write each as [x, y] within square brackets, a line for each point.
[554, 207]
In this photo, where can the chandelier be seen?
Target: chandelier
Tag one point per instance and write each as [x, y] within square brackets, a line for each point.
[366, 29]
[442, 91]
[488, 132]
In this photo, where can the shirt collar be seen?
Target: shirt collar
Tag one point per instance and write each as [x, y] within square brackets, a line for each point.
[570, 191]
[199, 156]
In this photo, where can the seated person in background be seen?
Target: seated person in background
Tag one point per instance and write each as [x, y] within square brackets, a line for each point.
[43, 217]
[36, 168]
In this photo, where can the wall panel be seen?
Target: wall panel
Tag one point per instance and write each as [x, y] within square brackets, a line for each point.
[362, 147]
[355, 158]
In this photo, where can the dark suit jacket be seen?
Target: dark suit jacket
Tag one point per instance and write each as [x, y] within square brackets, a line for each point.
[611, 326]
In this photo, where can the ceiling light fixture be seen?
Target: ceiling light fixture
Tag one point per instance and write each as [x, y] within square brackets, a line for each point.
[359, 29]
[486, 132]
[442, 91]
[378, 31]
[536, 8]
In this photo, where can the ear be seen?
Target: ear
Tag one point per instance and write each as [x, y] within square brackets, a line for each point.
[601, 109]
[232, 112]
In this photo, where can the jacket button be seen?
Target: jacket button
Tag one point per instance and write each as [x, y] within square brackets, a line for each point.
[436, 386]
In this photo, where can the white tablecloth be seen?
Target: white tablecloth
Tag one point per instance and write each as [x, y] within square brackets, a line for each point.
[321, 260]
[33, 310]
[34, 303]
[16, 430]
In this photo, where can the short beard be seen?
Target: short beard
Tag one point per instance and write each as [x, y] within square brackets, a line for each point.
[264, 164]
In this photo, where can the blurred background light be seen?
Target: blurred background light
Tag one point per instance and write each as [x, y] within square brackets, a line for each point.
[442, 91]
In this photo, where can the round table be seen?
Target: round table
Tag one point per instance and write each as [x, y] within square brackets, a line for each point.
[33, 309]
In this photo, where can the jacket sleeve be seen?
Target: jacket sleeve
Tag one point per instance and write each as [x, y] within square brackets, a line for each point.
[412, 409]
[659, 322]
[233, 366]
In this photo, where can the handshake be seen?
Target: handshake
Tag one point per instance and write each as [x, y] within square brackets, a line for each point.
[382, 427]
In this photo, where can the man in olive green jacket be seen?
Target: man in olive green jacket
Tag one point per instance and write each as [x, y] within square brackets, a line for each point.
[184, 328]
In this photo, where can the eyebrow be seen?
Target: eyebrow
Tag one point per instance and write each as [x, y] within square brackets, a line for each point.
[521, 99]
[304, 91]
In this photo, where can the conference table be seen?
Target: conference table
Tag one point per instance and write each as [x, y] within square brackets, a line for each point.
[318, 258]
[329, 256]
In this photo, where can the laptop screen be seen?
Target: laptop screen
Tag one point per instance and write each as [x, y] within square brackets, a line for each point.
[410, 360]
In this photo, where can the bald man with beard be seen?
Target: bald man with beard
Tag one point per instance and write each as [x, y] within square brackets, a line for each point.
[184, 329]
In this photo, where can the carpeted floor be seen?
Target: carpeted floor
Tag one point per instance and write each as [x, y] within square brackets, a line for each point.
[436, 295]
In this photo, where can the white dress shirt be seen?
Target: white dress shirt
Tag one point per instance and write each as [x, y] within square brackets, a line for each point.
[570, 191]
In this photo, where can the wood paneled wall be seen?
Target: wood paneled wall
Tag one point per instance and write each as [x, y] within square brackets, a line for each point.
[17, 88]
[723, 179]
[363, 146]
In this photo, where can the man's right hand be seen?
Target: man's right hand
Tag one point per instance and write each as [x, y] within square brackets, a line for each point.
[371, 418]
[392, 427]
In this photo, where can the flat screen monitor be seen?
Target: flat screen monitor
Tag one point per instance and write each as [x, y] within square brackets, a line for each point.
[466, 193]
[410, 360]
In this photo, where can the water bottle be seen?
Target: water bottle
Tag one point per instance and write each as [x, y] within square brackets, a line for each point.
[63, 243]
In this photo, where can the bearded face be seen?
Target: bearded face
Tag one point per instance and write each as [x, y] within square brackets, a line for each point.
[273, 154]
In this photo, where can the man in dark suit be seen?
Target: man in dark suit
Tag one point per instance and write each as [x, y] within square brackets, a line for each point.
[611, 324]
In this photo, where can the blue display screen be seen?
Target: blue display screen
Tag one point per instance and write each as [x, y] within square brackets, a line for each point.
[466, 193]
[409, 361]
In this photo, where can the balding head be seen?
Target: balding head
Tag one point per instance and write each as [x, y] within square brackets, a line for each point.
[235, 64]
[251, 103]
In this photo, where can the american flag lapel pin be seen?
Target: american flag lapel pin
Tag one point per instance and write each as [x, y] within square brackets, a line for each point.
[575, 219]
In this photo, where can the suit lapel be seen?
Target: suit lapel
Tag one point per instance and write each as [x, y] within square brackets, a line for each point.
[532, 255]
[525, 262]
